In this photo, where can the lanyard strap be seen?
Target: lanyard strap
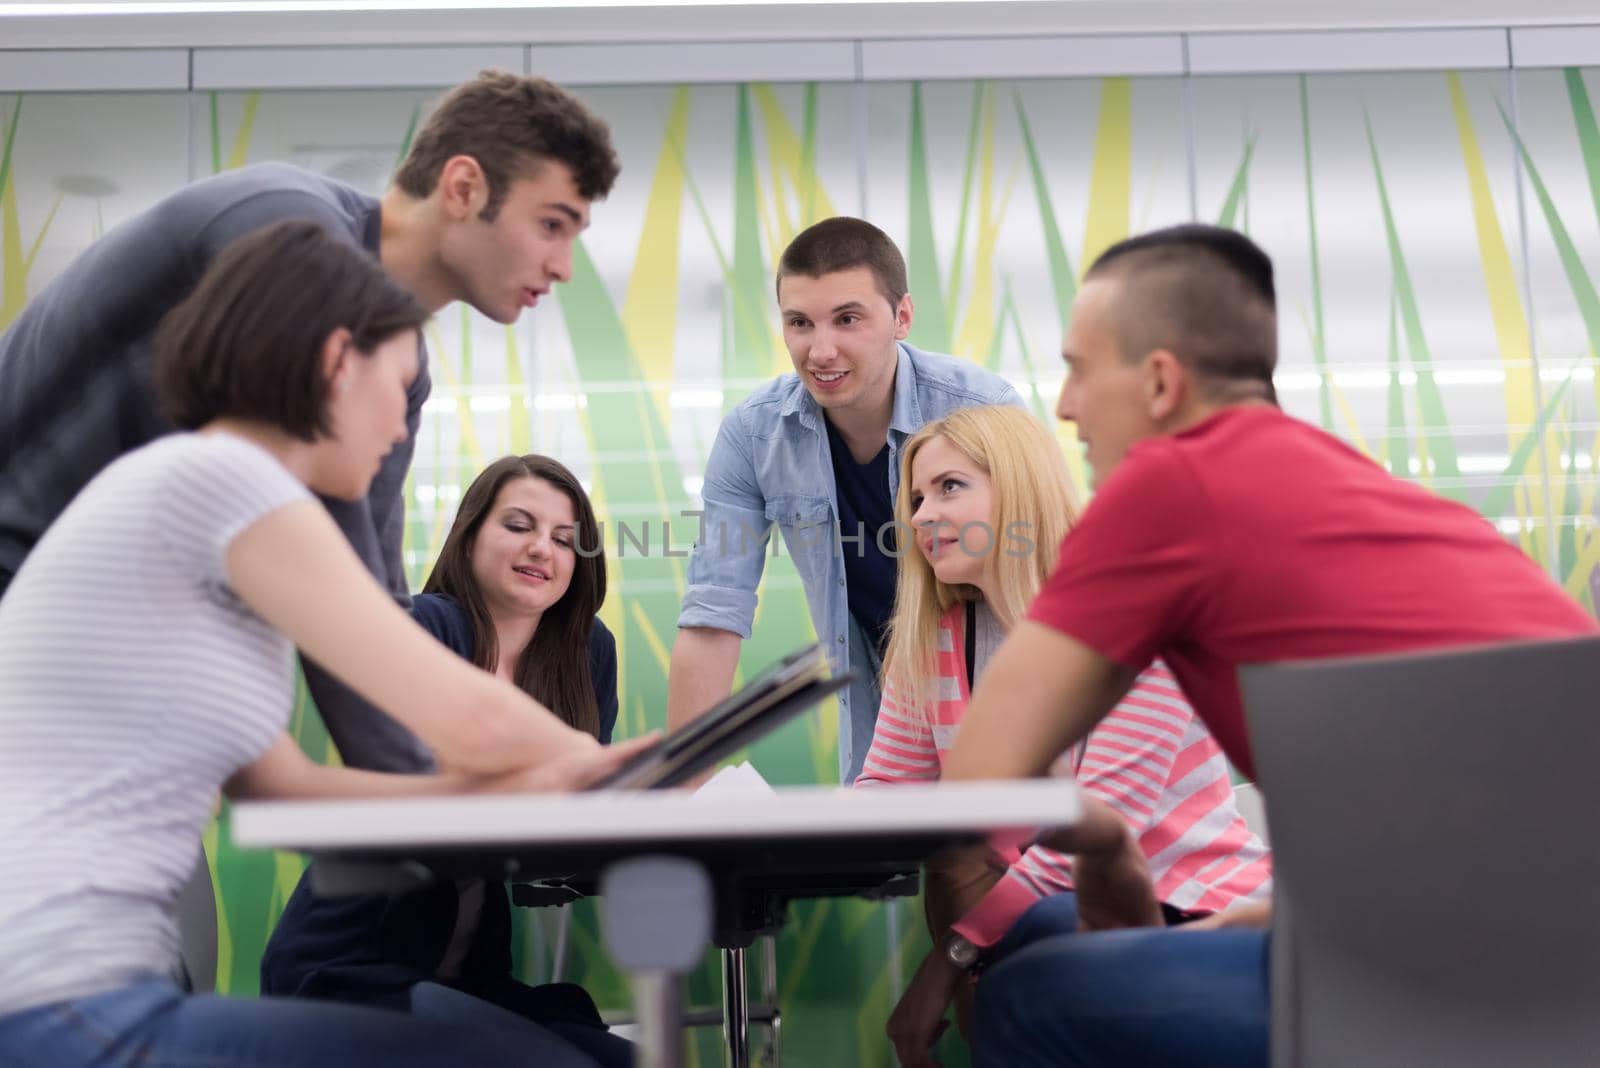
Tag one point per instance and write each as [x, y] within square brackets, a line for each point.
[972, 644]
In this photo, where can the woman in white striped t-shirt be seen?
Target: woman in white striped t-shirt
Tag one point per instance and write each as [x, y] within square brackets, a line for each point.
[984, 502]
[145, 664]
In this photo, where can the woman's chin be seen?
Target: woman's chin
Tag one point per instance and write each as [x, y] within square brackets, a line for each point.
[343, 490]
[956, 574]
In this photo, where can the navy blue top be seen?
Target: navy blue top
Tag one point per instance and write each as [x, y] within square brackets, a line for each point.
[372, 949]
[446, 620]
[865, 507]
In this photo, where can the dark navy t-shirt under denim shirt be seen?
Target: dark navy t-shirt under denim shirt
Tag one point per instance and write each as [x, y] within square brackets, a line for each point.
[866, 506]
[769, 472]
[372, 949]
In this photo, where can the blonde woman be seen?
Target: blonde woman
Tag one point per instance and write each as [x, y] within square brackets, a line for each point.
[983, 505]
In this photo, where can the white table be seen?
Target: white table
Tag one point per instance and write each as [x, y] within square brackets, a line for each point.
[728, 861]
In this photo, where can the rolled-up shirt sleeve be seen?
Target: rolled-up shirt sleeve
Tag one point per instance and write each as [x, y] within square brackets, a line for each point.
[730, 546]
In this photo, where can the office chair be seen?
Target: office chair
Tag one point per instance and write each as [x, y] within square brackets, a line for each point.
[197, 928]
[1435, 860]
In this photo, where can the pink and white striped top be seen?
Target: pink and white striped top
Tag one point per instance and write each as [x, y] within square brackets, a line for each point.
[1150, 759]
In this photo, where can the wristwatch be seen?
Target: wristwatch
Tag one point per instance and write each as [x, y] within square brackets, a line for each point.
[961, 952]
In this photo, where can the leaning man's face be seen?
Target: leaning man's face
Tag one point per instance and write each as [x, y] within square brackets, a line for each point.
[1104, 394]
[840, 331]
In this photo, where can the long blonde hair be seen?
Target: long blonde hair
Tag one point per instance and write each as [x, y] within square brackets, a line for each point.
[1034, 505]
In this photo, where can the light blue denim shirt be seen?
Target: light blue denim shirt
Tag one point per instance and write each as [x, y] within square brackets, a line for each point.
[771, 464]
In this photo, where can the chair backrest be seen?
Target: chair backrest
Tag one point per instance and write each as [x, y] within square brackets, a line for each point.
[1252, 809]
[1434, 855]
[197, 927]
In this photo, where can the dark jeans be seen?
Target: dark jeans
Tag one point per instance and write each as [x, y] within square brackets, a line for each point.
[380, 950]
[153, 1024]
[563, 1009]
[1145, 997]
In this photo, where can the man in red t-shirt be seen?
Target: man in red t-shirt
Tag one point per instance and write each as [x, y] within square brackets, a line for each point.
[1223, 532]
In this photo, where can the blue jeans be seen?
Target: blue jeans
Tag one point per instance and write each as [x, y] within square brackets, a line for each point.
[1056, 914]
[153, 1024]
[1150, 996]
[541, 1005]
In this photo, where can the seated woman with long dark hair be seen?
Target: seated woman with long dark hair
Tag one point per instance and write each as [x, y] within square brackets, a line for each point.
[515, 590]
[146, 664]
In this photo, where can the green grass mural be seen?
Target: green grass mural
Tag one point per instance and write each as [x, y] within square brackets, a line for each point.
[1007, 160]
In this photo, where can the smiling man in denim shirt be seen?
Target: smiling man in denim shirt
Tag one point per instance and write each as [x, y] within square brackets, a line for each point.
[817, 452]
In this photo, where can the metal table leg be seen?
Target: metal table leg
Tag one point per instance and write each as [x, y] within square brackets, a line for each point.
[655, 916]
[897, 979]
[658, 1006]
[769, 999]
[735, 1009]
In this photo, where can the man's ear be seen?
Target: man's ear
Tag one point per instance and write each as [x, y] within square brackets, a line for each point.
[903, 313]
[463, 188]
[1167, 385]
[336, 350]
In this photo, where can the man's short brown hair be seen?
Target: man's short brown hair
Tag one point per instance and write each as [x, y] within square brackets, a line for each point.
[247, 342]
[1203, 293]
[509, 124]
[840, 243]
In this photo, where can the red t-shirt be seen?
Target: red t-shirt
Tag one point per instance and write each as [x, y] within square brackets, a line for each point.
[1254, 537]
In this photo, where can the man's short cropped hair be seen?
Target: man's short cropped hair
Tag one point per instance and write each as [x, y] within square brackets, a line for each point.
[841, 243]
[247, 343]
[510, 124]
[1203, 293]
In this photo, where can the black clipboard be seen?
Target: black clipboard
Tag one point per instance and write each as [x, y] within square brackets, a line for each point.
[771, 699]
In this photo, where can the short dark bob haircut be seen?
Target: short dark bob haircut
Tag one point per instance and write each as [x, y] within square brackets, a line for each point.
[247, 342]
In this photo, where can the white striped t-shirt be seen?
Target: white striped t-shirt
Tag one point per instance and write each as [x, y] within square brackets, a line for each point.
[133, 683]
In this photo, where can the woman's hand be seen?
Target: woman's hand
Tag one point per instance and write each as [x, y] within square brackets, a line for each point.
[1252, 914]
[919, 1018]
[570, 771]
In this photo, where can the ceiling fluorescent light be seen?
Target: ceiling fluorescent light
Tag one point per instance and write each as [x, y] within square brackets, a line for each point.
[227, 7]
